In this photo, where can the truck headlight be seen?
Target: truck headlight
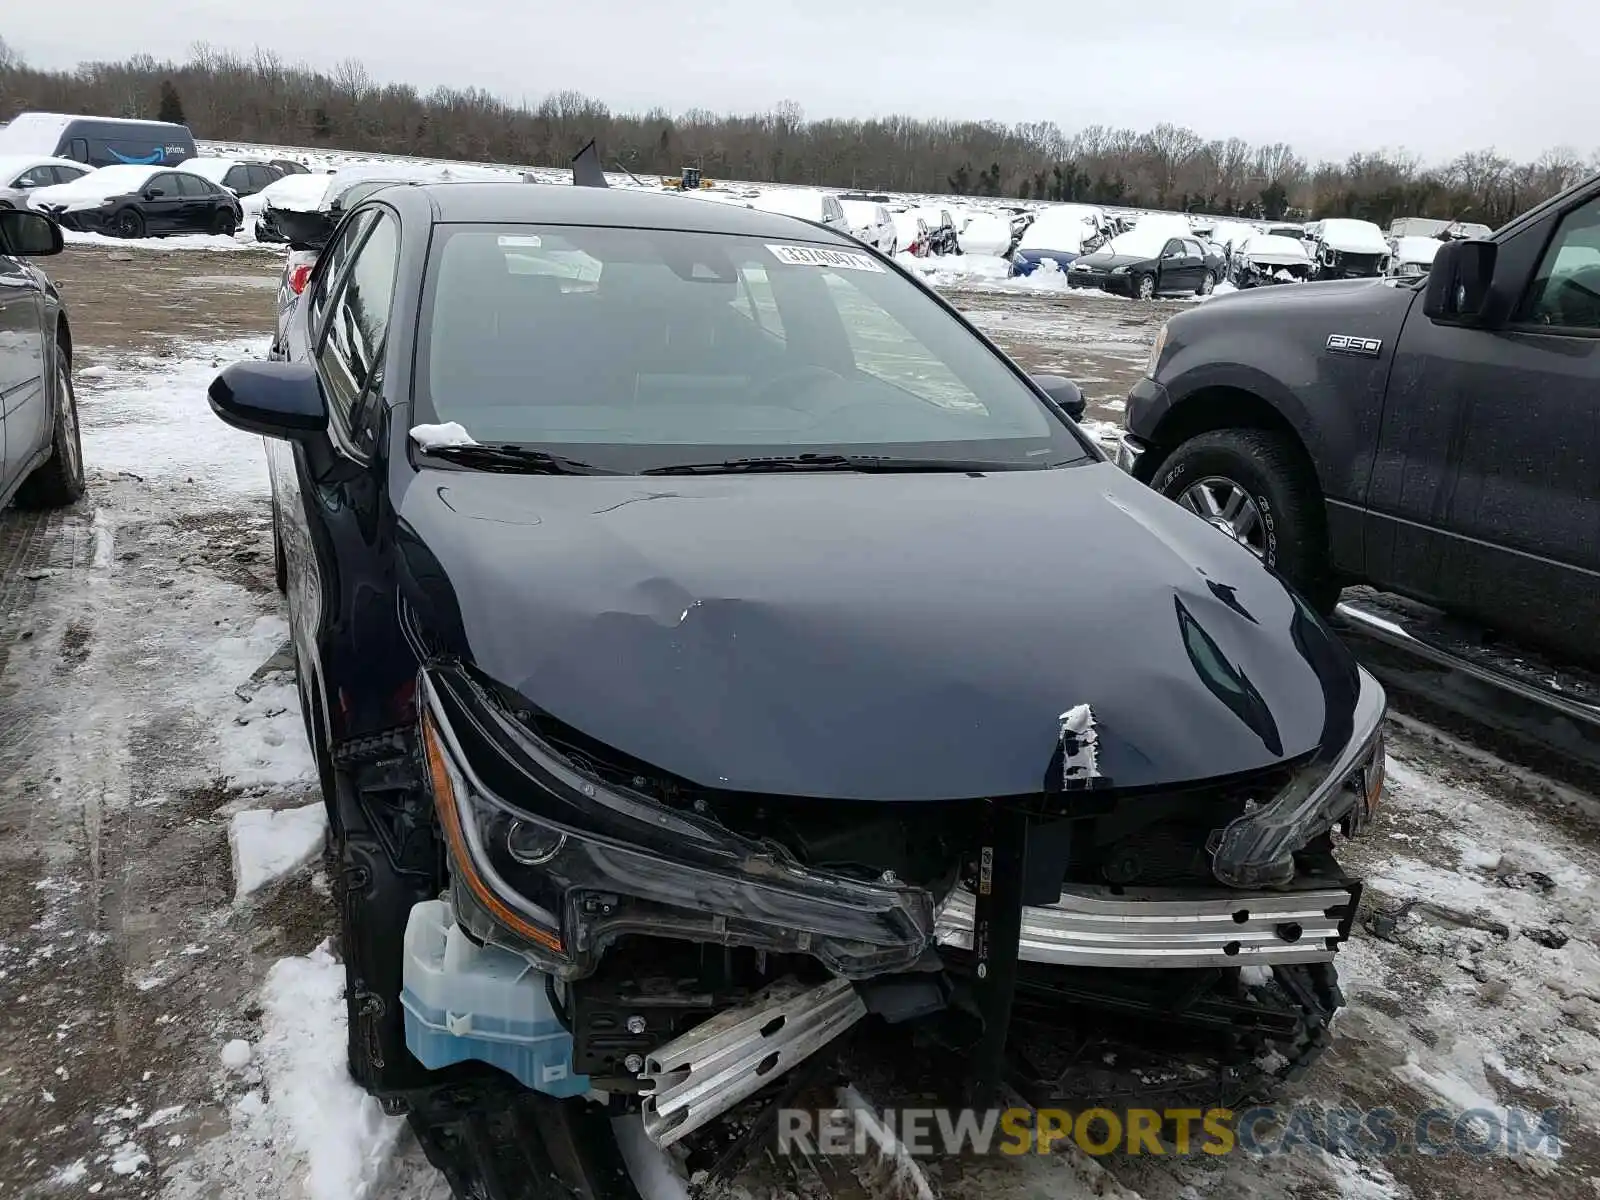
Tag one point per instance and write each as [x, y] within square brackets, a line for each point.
[1342, 788]
[1156, 348]
[558, 863]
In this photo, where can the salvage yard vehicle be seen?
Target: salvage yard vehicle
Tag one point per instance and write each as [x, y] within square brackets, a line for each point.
[98, 141]
[1434, 439]
[662, 746]
[241, 176]
[1262, 259]
[870, 223]
[806, 203]
[133, 202]
[1059, 234]
[1342, 248]
[21, 174]
[1412, 257]
[41, 460]
[1146, 263]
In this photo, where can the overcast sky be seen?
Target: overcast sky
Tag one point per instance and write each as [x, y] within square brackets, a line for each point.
[1329, 76]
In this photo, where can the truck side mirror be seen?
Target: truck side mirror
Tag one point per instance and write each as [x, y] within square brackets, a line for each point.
[1458, 283]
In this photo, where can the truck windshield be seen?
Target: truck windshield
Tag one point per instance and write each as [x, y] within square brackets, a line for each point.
[639, 349]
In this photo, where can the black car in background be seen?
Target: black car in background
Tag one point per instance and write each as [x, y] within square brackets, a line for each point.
[631, 650]
[41, 461]
[241, 176]
[1136, 264]
[133, 202]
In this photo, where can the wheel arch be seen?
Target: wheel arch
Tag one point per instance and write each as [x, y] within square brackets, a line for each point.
[1222, 406]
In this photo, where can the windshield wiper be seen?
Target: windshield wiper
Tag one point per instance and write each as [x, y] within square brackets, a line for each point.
[870, 463]
[512, 459]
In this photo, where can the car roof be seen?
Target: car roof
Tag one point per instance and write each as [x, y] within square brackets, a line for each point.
[555, 204]
[21, 162]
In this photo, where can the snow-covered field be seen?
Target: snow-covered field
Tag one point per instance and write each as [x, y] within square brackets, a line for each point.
[177, 1016]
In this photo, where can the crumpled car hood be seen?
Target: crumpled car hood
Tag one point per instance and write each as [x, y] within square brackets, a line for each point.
[876, 637]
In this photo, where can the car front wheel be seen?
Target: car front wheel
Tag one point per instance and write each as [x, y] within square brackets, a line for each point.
[128, 223]
[1256, 487]
[1208, 284]
[1146, 287]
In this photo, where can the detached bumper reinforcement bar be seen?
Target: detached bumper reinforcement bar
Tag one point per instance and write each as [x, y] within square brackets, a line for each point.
[1090, 927]
[696, 1078]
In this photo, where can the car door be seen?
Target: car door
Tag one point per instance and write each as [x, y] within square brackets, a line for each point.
[22, 391]
[1194, 265]
[162, 204]
[1173, 269]
[341, 619]
[1486, 487]
[200, 198]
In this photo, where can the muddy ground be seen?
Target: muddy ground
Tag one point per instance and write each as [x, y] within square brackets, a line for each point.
[139, 635]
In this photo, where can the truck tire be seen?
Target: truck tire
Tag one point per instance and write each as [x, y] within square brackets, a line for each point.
[1289, 532]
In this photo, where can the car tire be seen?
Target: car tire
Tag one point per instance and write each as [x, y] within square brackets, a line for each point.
[58, 481]
[1208, 284]
[128, 223]
[1272, 471]
[223, 223]
[1145, 287]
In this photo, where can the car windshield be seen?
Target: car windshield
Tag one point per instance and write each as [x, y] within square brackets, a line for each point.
[636, 349]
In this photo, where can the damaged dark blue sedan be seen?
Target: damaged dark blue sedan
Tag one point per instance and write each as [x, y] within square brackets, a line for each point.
[711, 645]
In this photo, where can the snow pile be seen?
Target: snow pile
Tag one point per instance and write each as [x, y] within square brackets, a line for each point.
[267, 844]
[263, 742]
[432, 437]
[179, 241]
[236, 1055]
[339, 1135]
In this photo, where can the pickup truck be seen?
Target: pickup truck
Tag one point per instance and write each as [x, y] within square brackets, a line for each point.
[1436, 438]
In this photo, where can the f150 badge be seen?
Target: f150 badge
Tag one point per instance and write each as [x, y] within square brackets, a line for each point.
[1344, 343]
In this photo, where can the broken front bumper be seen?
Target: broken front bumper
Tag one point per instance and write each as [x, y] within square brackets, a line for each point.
[1170, 928]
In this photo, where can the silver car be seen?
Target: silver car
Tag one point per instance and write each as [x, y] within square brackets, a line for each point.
[20, 174]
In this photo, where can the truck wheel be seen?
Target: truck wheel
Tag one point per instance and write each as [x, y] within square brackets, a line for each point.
[1256, 487]
[1146, 287]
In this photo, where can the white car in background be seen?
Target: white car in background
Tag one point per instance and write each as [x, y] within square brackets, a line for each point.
[910, 233]
[985, 233]
[23, 173]
[1345, 248]
[806, 203]
[1265, 258]
[1412, 257]
[870, 223]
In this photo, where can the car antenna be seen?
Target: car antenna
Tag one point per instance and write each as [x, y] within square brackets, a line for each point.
[586, 168]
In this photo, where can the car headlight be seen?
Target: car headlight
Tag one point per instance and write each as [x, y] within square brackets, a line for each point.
[1156, 348]
[1119, 270]
[559, 864]
[1343, 789]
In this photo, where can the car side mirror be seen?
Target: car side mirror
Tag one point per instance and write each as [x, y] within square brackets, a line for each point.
[28, 234]
[1458, 282]
[154, 193]
[1064, 392]
[275, 399]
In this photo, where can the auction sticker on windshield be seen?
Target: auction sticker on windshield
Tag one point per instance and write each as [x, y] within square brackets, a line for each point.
[816, 256]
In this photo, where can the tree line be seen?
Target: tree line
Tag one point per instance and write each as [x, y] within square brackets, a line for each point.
[225, 96]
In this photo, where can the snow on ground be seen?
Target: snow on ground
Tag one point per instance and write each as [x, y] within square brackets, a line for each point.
[269, 843]
[148, 416]
[243, 240]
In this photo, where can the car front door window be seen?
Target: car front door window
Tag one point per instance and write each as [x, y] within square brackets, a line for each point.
[332, 263]
[349, 358]
[1565, 290]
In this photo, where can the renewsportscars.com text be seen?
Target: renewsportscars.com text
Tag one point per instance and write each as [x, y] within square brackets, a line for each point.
[1265, 1130]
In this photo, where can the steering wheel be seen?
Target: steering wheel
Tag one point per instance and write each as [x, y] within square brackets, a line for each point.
[795, 382]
